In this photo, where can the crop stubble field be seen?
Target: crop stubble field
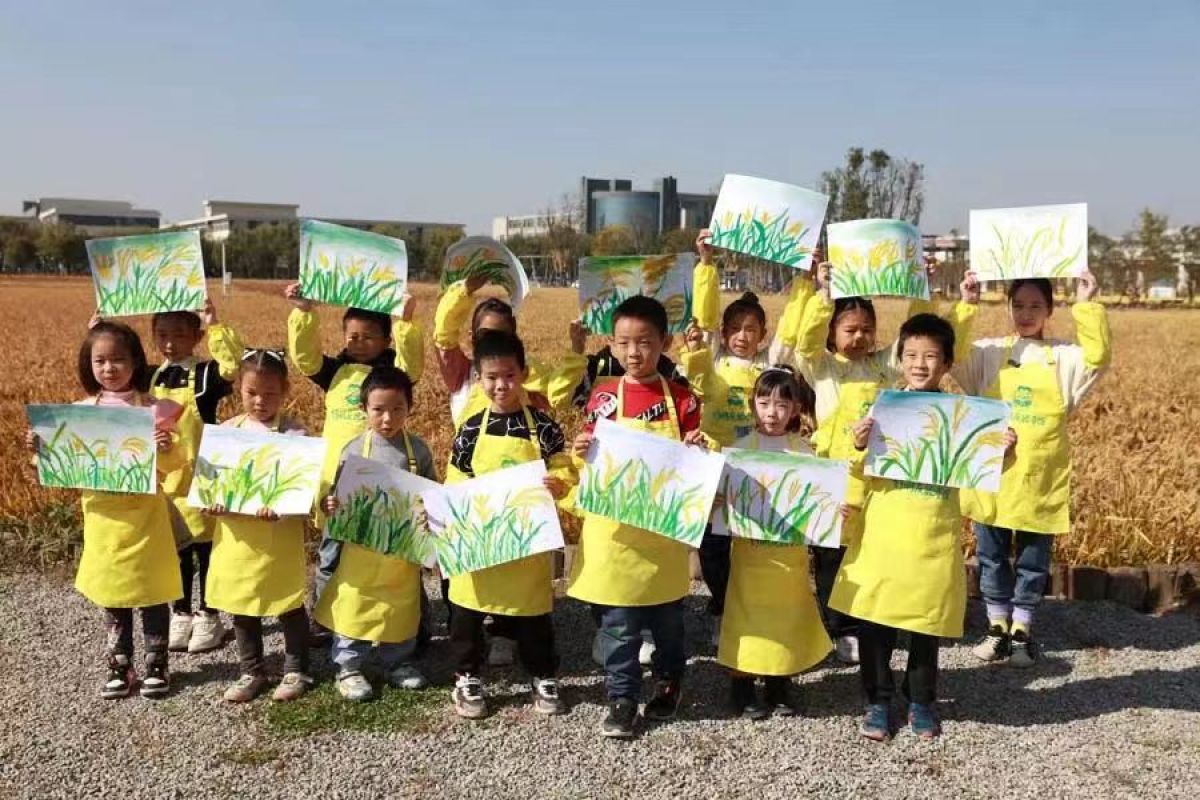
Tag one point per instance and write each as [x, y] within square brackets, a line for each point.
[1136, 440]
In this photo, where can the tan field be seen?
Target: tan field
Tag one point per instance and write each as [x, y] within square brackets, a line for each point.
[1136, 439]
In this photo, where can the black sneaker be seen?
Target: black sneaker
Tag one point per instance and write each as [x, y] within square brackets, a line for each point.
[781, 696]
[1023, 650]
[157, 682]
[622, 713]
[996, 646]
[121, 679]
[744, 699]
[665, 702]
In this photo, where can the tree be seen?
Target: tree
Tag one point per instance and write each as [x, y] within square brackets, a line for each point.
[20, 250]
[1155, 257]
[1108, 260]
[875, 185]
[615, 240]
[265, 251]
[679, 240]
[564, 242]
[61, 246]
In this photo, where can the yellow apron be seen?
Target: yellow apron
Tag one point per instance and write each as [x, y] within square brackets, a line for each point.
[257, 567]
[1035, 490]
[372, 596]
[129, 558]
[728, 410]
[176, 483]
[344, 419]
[620, 565]
[906, 570]
[521, 588]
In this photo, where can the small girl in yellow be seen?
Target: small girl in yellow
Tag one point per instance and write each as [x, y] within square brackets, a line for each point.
[128, 559]
[772, 626]
[258, 563]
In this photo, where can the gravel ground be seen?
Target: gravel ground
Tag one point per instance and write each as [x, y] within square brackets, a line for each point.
[1110, 712]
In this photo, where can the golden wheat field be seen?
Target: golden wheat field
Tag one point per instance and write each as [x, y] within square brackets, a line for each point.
[1136, 439]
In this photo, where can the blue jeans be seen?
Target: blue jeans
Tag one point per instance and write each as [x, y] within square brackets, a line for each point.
[1019, 583]
[620, 640]
[350, 654]
[329, 552]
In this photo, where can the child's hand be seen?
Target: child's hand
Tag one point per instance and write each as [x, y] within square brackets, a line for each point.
[696, 438]
[969, 288]
[555, 485]
[162, 439]
[823, 276]
[581, 444]
[209, 314]
[95, 320]
[704, 246]
[846, 511]
[862, 432]
[693, 339]
[266, 514]
[406, 310]
[1086, 288]
[579, 335]
[31, 439]
[1010, 441]
[330, 504]
[292, 292]
[215, 511]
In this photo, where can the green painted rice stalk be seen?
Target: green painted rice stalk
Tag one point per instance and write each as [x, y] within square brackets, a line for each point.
[763, 236]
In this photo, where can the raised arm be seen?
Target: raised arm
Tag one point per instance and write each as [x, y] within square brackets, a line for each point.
[224, 345]
[406, 337]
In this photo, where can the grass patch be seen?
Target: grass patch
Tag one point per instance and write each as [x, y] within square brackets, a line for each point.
[761, 235]
[52, 537]
[251, 756]
[323, 710]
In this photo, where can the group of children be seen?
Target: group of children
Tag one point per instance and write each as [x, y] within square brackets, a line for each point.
[809, 391]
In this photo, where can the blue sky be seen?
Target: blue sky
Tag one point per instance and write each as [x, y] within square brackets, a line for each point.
[469, 110]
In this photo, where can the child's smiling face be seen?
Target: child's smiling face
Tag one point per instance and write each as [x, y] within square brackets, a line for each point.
[1030, 311]
[923, 363]
[501, 378]
[112, 363]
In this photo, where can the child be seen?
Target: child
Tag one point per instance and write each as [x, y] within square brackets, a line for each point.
[905, 571]
[372, 599]
[1044, 380]
[773, 626]
[128, 558]
[722, 366]
[603, 364]
[258, 565]
[198, 386]
[517, 594]
[837, 355]
[633, 578]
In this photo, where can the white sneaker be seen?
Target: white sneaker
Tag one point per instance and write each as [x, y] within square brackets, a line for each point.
[208, 632]
[406, 676]
[716, 631]
[847, 649]
[180, 632]
[501, 652]
[646, 653]
[354, 687]
[995, 646]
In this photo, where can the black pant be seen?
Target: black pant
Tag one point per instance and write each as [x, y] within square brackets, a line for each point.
[826, 562]
[500, 624]
[534, 637]
[193, 559]
[156, 622]
[714, 567]
[249, 634]
[875, 646]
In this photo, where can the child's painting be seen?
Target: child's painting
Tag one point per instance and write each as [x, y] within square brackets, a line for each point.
[937, 438]
[109, 449]
[482, 256]
[769, 220]
[877, 257]
[785, 498]
[246, 471]
[1030, 242]
[650, 482]
[380, 509]
[493, 519]
[347, 267]
[605, 282]
[148, 273]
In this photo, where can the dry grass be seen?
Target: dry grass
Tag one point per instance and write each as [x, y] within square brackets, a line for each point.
[1136, 440]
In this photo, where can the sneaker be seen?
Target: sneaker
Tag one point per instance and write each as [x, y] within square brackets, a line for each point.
[622, 713]
[245, 689]
[923, 721]
[665, 702]
[319, 637]
[292, 687]
[847, 649]
[469, 701]
[121, 679]
[646, 653]
[996, 646]
[1024, 649]
[180, 632]
[876, 724]
[716, 632]
[406, 676]
[781, 696]
[157, 682]
[744, 700]
[501, 652]
[208, 632]
[352, 685]
[545, 697]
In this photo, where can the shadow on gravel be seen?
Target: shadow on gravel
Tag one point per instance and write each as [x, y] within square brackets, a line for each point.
[1070, 625]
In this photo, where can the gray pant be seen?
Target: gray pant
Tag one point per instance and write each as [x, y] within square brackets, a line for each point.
[350, 654]
[249, 634]
[156, 622]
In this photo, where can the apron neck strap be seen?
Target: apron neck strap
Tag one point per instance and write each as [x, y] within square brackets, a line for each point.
[668, 399]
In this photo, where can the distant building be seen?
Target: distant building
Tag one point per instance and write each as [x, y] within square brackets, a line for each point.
[526, 225]
[221, 217]
[92, 216]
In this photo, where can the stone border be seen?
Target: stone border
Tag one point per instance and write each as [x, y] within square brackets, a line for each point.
[1152, 589]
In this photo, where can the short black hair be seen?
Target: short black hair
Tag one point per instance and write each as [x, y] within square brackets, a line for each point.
[746, 304]
[1043, 285]
[791, 386]
[498, 344]
[843, 305]
[643, 308]
[377, 318]
[263, 360]
[188, 318]
[493, 305]
[127, 336]
[928, 326]
[386, 376]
